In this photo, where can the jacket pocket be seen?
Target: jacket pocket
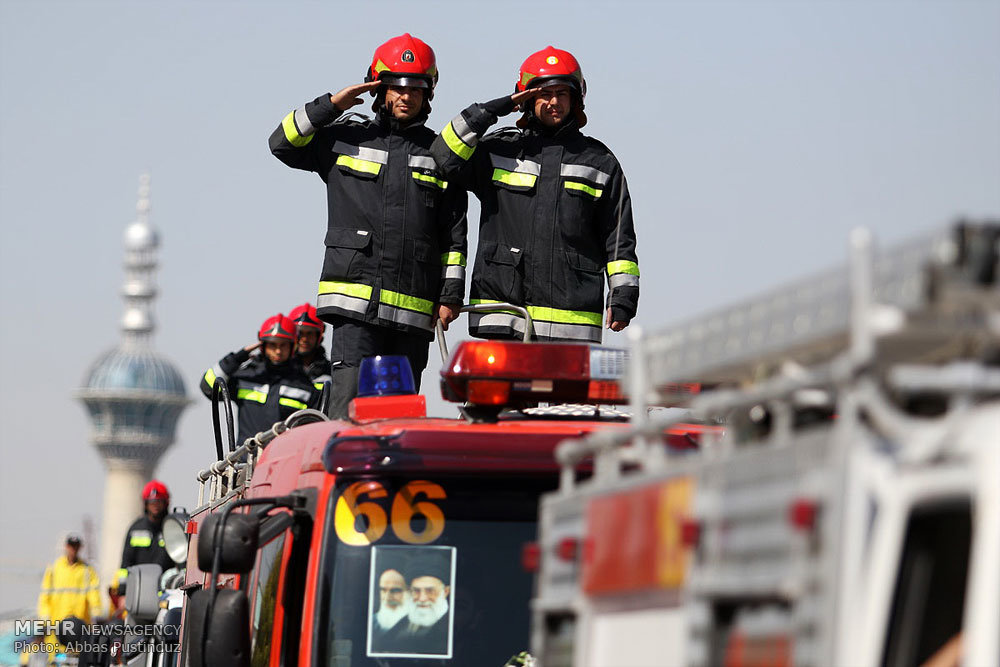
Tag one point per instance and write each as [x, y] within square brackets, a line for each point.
[514, 175]
[585, 282]
[361, 161]
[346, 253]
[425, 269]
[498, 273]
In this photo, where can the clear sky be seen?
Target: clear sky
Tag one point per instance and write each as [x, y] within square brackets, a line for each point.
[753, 134]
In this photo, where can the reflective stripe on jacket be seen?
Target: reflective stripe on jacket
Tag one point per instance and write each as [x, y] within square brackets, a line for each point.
[556, 219]
[396, 233]
[264, 393]
[144, 544]
[69, 590]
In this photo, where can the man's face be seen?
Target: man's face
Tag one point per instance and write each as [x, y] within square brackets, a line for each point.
[278, 352]
[404, 102]
[392, 589]
[426, 591]
[308, 340]
[156, 508]
[552, 104]
[72, 552]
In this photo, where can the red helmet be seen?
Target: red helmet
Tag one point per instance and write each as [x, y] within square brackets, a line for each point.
[304, 316]
[405, 61]
[551, 65]
[155, 490]
[275, 329]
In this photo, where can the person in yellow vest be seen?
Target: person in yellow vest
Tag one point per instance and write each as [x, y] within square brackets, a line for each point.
[69, 588]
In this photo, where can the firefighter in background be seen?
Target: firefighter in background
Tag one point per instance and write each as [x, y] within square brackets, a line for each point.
[556, 213]
[267, 386]
[144, 539]
[309, 344]
[396, 236]
[69, 588]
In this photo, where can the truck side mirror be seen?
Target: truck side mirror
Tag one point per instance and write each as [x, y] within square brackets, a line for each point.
[142, 594]
[225, 638]
[237, 541]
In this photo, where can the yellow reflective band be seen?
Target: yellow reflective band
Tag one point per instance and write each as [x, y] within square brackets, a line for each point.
[357, 164]
[593, 192]
[292, 133]
[349, 289]
[457, 146]
[121, 574]
[453, 259]
[380, 66]
[251, 395]
[406, 301]
[319, 385]
[526, 77]
[515, 178]
[210, 377]
[292, 403]
[140, 541]
[623, 266]
[565, 316]
[430, 179]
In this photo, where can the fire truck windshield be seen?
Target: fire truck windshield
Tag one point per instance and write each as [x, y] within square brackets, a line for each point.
[426, 570]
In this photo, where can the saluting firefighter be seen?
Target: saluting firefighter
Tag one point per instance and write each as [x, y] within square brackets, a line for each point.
[309, 344]
[556, 213]
[268, 386]
[396, 231]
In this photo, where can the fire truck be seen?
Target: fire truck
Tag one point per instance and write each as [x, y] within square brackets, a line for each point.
[393, 538]
[848, 513]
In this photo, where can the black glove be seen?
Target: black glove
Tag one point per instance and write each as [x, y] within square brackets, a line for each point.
[501, 106]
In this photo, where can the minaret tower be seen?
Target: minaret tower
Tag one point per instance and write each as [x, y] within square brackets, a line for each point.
[134, 396]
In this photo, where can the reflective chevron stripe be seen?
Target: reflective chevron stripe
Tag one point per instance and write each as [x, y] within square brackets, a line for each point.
[514, 179]
[459, 138]
[421, 162]
[623, 280]
[429, 179]
[623, 266]
[518, 166]
[361, 166]
[406, 301]
[292, 133]
[580, 187]
[453, 271]
[453, 258]
[292, 403]
[584, 172]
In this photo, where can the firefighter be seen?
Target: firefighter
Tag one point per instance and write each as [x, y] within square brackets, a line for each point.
[268, 386]
[396, 236]
[144, 539]
[556, 212]
[309, 344]
[69, 588]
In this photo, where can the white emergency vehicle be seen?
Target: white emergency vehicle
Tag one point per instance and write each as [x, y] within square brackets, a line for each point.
[849, 512]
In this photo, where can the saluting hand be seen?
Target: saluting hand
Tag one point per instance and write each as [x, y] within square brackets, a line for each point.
[252, 346]
[518, 98]
[349, 97]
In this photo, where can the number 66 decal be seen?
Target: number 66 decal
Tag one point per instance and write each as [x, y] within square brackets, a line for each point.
[405, 505]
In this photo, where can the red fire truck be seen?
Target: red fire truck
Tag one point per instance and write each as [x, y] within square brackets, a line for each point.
[394, 538]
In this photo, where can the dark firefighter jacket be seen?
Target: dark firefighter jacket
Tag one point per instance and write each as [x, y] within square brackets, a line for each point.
[144, 544]
[396, 234]
[264, 392]
[556, 218]
[319, 370]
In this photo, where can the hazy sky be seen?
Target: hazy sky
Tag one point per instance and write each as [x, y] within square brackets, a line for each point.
[754, 135]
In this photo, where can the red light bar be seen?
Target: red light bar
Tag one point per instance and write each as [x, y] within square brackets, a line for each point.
[481, 372]
[531, 557]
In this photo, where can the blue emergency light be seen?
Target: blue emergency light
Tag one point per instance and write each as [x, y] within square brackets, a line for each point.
[386, 375]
